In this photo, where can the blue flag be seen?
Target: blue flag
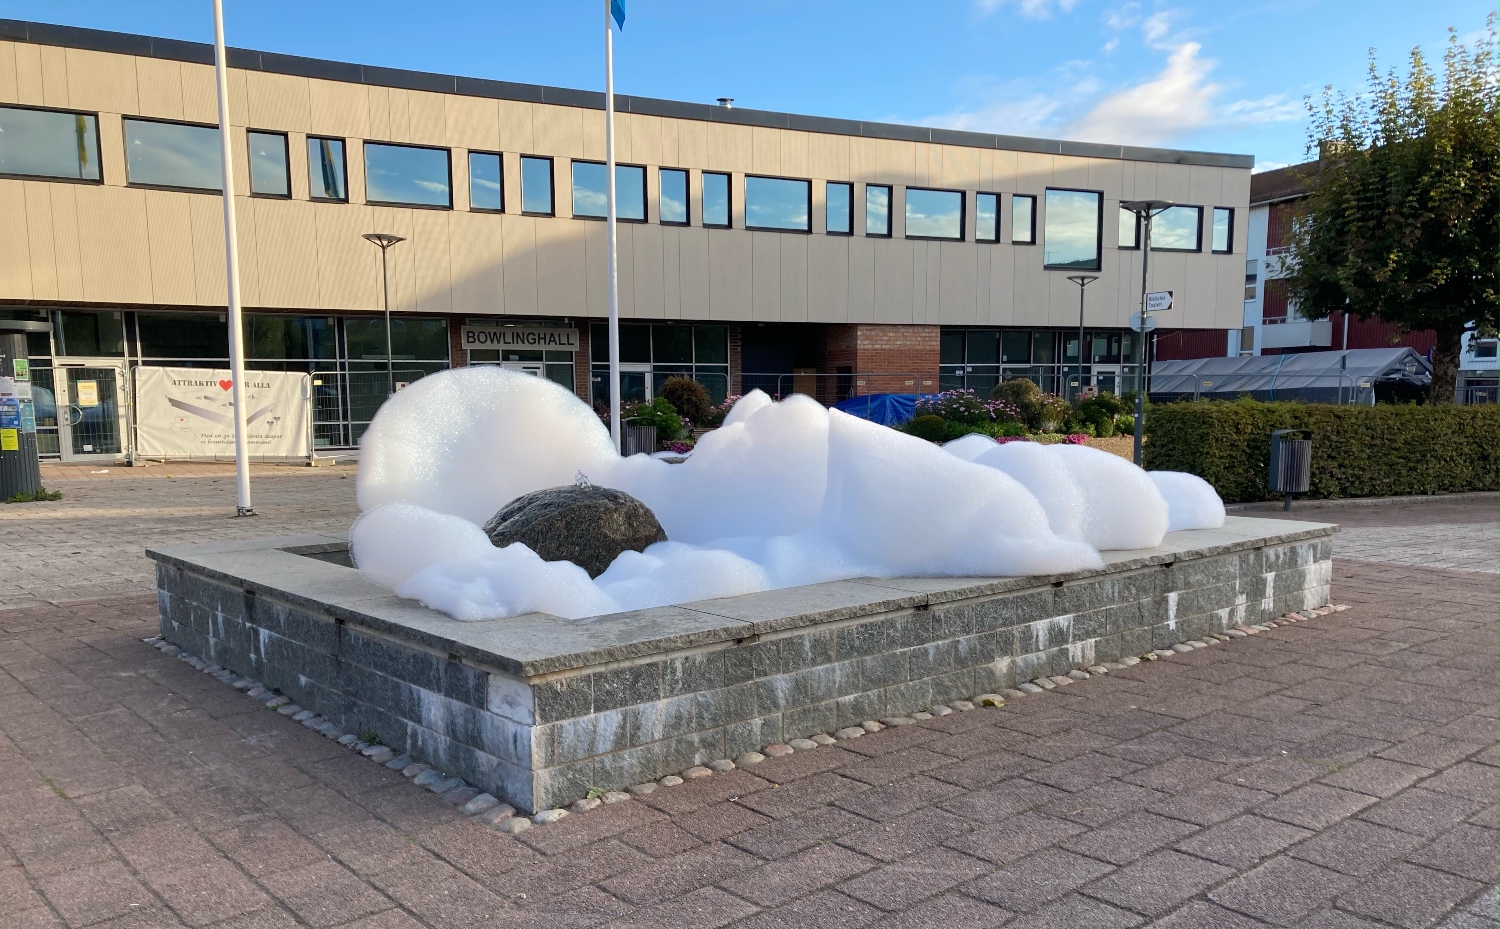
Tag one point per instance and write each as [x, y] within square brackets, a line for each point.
[617, 10]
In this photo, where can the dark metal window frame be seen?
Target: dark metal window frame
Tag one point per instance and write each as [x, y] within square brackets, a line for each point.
[1136, 218]
[470, 166]
[1013, 199]
[1189, 251]
[98, 146]
[551, 184]
[364, 150]
[345, 143]
[286, 142]
[890, 202]
[1098, 231]
[125, 145]
[687, 195]
[1220, 251]
[774, 177]
[963, 214]
[827, 185]
[645, 204]
[728, 199]
[977, 236]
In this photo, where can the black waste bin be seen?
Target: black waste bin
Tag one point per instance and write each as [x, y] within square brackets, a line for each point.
[1291, 463]
[20, 472]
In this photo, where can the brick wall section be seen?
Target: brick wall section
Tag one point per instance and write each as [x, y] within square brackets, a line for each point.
[895, 359]
[457, 357]
[736, 361]
[1174, 344]
[581, 367]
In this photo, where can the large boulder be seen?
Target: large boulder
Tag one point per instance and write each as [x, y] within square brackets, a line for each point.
[587, 525]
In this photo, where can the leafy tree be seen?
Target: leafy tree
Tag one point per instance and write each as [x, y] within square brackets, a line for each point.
[1401, 223]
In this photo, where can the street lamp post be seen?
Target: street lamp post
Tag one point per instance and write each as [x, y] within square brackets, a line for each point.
[1145, 211]
[1082, 280]
[383, 241]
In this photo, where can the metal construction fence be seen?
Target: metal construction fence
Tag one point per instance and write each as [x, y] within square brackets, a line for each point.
[1340, 389]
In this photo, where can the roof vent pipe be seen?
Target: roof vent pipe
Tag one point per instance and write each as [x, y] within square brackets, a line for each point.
[726, 102]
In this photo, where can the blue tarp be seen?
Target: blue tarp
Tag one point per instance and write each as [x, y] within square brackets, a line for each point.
[885, 409]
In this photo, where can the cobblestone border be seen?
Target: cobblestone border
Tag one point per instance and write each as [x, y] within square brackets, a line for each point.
[487, 809]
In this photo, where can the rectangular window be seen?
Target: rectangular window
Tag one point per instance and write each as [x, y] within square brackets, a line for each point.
[934, 214]
[1071, 233]
[1015, 347]
[44, 143]
[270, 174]
[672, 205]
[486, 182]
[172, 155]
[591, 191]
[878, 210]
[536, 185]
[1252, 277]
[1130, 229]
[1223, 233]
[407, 175]
[840, 208]
[987, 218]
[778, 203]
[327, 178]
[1178, 229]
[715, 199]
[1022, 219]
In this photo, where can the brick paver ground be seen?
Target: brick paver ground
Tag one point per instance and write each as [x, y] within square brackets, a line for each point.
[89, 544]
[1338, 773]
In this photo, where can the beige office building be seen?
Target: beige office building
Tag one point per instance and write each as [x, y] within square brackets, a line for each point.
[756, 249]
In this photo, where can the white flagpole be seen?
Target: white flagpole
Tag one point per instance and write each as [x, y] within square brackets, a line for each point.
[232, 273]
[609, 225]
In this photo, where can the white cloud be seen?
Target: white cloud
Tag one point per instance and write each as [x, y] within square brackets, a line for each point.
[1269, 166]
[1073, 102]
[1031, 9]
[1178, 100]
[1175, 101]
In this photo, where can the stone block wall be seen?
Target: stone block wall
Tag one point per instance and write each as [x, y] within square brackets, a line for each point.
[543, 740]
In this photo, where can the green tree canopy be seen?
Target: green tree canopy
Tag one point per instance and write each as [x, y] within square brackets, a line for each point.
[1401, 223]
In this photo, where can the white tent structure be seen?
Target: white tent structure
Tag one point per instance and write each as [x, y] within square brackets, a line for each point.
[1348, 377]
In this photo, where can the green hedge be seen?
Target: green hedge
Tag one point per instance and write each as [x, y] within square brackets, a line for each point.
[1358, 451]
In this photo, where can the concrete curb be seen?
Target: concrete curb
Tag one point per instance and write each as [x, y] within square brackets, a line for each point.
[1478, 497]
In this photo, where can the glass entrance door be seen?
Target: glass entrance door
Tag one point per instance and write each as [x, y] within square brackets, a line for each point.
[92, 399]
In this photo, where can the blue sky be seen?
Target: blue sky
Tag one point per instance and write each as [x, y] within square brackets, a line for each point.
[1180, 73]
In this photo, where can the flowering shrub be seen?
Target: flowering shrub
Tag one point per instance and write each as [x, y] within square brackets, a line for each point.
[1076, 438]
[717, 412]
[658, 412]
[678, 448]
[965, 406]
[1001, 440]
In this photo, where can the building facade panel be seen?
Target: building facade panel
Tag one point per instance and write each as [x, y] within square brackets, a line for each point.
[843, 304]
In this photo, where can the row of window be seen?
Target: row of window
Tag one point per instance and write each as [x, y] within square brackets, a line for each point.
[180, 155]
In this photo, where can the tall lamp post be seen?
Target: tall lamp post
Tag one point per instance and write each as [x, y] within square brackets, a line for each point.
[383, 241]
[1082, 280]
[1145, 211]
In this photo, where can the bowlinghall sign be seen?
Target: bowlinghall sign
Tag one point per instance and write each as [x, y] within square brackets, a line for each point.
[531, 338]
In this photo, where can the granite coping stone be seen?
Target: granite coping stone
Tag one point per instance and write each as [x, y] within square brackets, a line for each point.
[536, 644]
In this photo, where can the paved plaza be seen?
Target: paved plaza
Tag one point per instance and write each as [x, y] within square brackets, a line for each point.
[1339, 773]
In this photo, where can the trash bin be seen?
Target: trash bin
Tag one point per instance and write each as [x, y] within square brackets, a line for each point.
[1291, 463]
[20, 471]
[638, 438]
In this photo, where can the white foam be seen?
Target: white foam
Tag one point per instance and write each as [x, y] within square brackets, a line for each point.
[783, 494]
[1192, 502]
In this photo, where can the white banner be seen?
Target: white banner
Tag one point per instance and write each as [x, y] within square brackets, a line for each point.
[188, 413]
